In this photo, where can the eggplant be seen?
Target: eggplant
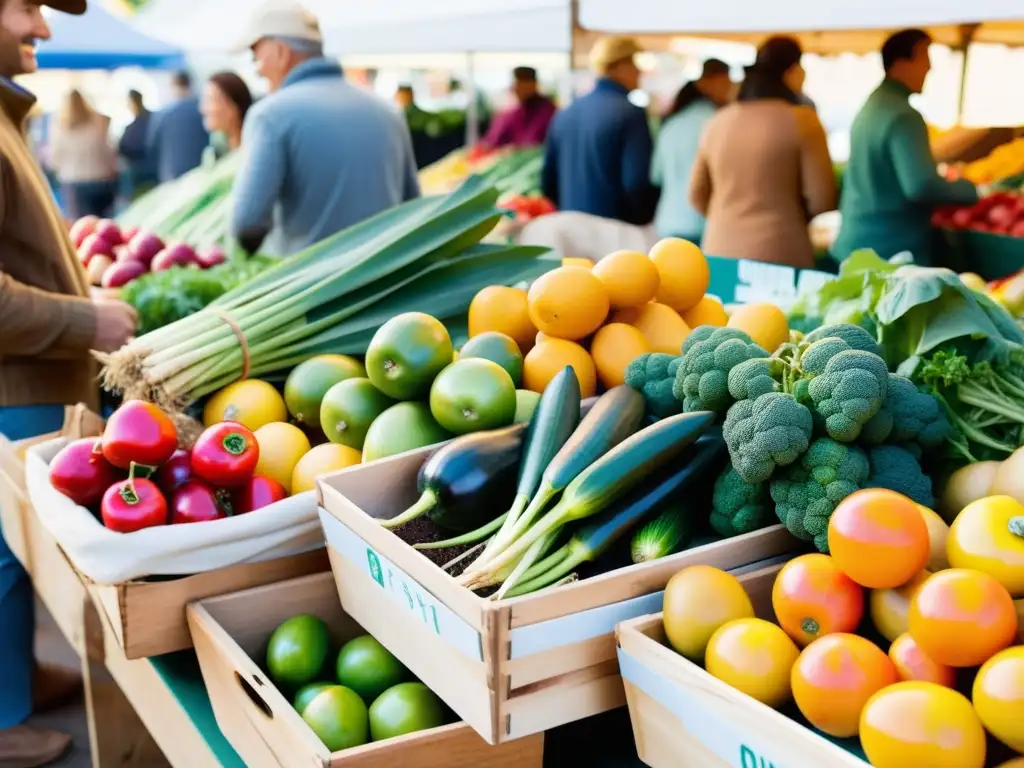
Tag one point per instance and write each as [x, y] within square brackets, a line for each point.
[464, 483]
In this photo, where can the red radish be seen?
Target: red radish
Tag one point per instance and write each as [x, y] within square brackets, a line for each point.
[258, 492]
[961, 218]
[98, 266]
[1018, 229]
[94, 245]
[211, 257]
[109, 231]
[128, 233]
[178, 254]
[197, 502]
[174, 472]
[121, 272]
[82, 228]
[81, 473]
[145, 246]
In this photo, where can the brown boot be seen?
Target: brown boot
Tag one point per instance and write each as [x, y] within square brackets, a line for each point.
[53, 686]
[24, 747]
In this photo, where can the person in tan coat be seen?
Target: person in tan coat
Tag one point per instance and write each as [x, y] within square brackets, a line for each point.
[48, 325]
[763, 169]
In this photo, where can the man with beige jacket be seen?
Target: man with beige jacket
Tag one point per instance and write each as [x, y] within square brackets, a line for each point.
[48, 325]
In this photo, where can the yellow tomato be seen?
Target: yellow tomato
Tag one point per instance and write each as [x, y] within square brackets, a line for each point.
[988, 536]
[999, 696]
[281, 447]
[252, 403]
[938, 534]
[889, 608]
[698, 600]
[921, 724]
[322, 460]
[755, 657]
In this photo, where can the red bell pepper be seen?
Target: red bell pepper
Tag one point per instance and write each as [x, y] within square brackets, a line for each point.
[133, 504]
[81, 472]
[198, 502]
[139, 432]
[225, 455]
[258, 492]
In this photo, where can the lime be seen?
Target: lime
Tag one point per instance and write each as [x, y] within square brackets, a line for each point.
[349, 408]
[405, 708]
[498, 348]
[526, 404]
[473, 395]
[297, 650]
[368, 668]
[309, 381]
[402, 428]
[406, 353]
[307, 693]
[338, 717]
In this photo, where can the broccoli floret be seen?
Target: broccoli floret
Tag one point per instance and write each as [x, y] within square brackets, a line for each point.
[896, 468]
[878, 428]
[917, 416]
[653, 376]
[702, 381]
[753, 378]
[854, 335]
[816, 357]
[768, 432]
[849, 392]
[738, 506]
[807, 493]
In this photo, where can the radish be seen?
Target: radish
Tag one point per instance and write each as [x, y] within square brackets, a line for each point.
[211, 257]
[108, 230]
[178, 254]
[82, 228]
[145, 246]
[128, 233]
[94, 245]
[98, 264]
[121, 272]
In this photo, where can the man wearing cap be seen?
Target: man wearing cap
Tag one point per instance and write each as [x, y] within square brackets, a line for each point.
[598, 155]
[319, 155]
[48, 324]
[526, 124]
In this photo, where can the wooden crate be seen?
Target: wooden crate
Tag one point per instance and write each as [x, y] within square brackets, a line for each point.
[231, 631]
[509, 668]
[685, 718]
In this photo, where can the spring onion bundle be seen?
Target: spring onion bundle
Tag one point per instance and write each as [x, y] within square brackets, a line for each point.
[424, 255]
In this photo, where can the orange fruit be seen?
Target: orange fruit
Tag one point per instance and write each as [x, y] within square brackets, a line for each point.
[812, 598]
[938, 534]
[765, 323]
[962, 618]
[755, 657]
[614, 347]
[707, 311]
[878, 538]
[698, 601]
[921, 724]
[661, 325]
[890, 608]
[568, 303]
[988, 535]
[502, 309]
[999, 696]
[1019, 607]
[629, 277]
[1017, 762]
[577, 261]
[914, 664]
[552, 355]
[834, 678]
[683, 271]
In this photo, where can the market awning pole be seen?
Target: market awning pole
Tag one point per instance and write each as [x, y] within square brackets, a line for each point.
[472, 114]
[967, 32]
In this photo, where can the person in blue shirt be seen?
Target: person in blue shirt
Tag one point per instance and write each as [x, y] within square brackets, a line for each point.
[597, 159]
[134, 147]
[177, 138]
[318, 154]
[676, 150]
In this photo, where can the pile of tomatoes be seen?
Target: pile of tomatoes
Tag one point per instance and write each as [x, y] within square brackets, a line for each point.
[135, 476]
[909, 635]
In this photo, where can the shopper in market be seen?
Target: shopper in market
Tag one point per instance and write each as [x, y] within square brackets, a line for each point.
[321, 152]
[134, 148]
[48, 324]
[526, 124]
[763, 168]
[177, 137]
[225, 103]
[676, 149]
[83, 158]
[891, 185]
[598, 154]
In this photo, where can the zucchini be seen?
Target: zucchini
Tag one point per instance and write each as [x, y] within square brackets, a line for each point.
[462, 483]
[665, 535]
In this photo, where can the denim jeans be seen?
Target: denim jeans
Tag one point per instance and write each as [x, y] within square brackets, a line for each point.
[17, 602]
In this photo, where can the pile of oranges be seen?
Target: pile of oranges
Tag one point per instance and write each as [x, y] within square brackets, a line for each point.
[598, 318]
[954, 669]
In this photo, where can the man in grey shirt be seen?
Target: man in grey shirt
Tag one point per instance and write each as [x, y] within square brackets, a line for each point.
[177, 137]
[318, 153]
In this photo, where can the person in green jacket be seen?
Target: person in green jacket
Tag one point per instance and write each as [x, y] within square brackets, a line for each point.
[891, 185]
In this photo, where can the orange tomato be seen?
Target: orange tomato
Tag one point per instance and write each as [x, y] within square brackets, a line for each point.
[698, 600]
[890, 608]
[812, 598]
[961, 618]
[834, 678]
[921, 724]
[938, 534]
[999, 696]
[878, 538]
[914, 664]
[755, 657]
[988, 536]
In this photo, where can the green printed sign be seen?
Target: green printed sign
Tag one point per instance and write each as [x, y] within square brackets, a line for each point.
[750, 759]
[737, 281]
[407, 591]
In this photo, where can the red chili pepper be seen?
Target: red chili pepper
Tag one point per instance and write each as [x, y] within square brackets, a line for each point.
[225, 455]
[133, 504]
[257, 493]
[81, 472]
[174, 472]
[198, 502]
[139, 432]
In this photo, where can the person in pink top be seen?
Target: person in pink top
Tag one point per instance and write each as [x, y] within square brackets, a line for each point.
[526, 124]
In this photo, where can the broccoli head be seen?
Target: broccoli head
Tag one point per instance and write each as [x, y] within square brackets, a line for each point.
[768, 432]
[896, 468]
[807, 493]
[849, 392]
[917, 416]
[816, 356]
[854, 335]
[702, 381]
[738, 507]
[653, 376]
[879, 427]
[753, 378]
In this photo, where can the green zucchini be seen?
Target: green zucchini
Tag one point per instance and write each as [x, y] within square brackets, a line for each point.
[665, 535]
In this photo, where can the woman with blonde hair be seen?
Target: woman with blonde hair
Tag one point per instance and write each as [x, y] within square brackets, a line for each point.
[83, 158]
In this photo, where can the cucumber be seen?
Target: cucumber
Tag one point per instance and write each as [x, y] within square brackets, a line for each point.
[665, 535]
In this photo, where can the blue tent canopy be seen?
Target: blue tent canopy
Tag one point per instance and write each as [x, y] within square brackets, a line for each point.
[100, 40]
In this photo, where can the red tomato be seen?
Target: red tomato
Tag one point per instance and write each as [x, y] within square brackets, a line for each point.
[914, 664]
[258, 492]
[812, 597]
[81, 473]
[132, 505]
[174, 472]
[197, 502]
[225, 455]
[139, 432]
